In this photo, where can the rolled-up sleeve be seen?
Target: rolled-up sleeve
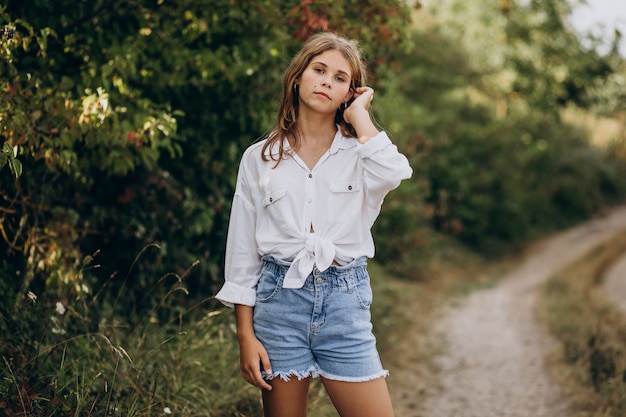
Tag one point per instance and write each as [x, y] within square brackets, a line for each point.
[243, 263]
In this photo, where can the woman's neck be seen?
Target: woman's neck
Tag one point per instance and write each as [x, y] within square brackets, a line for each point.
[316, 130]
[313, 139]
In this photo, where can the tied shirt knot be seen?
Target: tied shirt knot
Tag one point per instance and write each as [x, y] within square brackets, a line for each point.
[317, 252]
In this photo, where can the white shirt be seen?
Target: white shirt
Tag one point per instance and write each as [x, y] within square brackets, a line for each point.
[275, 208]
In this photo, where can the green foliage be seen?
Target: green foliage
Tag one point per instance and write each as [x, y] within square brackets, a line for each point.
[527, 51]
[8, 155]
[130, 122]
[491, 166]
[70, 132]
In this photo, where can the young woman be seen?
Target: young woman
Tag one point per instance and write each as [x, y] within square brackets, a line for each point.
[299, 238]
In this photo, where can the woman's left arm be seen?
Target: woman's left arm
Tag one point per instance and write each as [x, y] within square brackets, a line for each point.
[384, 166]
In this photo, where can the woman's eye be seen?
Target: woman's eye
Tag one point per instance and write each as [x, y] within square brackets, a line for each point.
[318, 70]
[340, 79]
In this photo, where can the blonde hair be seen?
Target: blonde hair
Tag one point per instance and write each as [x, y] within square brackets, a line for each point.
[289, 102]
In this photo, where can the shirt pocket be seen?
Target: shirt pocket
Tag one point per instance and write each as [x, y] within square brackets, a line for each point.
[277, 210]
[273, 197]
[345, 199]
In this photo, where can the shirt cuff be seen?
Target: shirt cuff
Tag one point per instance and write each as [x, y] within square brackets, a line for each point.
[232, 294]
[375, 144]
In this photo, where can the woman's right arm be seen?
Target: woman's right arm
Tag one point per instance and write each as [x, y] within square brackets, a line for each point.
[252, 354]
[242, 263]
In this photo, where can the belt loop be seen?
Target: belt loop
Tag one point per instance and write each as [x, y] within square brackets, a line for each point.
[351, 282]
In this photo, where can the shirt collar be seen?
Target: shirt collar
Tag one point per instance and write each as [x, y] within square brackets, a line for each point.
[273, 151]
[341, 142]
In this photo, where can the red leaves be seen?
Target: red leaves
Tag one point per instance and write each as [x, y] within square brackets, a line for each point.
[307, 21]
[132, 138]
[127, 196]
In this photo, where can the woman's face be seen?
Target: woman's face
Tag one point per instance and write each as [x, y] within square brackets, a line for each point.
[325, 83]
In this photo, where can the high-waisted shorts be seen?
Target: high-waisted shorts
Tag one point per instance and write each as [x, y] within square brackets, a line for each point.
[323, 328]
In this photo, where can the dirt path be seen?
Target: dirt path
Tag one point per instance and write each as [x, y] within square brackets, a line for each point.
[492, 349]
[615, 283]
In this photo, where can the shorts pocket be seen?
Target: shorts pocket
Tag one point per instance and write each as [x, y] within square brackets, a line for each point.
[363, 291]
[268, 286]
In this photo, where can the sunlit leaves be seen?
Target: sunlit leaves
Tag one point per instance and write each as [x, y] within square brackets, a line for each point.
[8, 155]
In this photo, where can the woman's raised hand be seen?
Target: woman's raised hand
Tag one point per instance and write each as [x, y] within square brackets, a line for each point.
[357, 114]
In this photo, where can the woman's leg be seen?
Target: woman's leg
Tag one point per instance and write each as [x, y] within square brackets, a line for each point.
[287, 398]
[360, 399]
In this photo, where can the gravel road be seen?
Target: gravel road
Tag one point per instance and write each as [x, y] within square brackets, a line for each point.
[492, 348]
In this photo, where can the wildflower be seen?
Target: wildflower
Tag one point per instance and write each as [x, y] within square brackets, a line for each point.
[60, 308]
[56, 326]
[167, 410]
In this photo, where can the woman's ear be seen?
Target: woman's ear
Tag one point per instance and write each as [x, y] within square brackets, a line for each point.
[349, 95]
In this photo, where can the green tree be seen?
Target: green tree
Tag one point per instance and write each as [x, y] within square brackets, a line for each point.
[479, 104]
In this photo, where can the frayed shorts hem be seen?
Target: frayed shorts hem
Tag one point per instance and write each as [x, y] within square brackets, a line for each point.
[286, 376]
[314, 372]
[381, 374]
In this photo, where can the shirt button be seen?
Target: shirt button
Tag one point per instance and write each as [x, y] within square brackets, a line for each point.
[310, 175]
[349, 187]
[319, 280]
[309, 201]
[316, 272]
[271, 199]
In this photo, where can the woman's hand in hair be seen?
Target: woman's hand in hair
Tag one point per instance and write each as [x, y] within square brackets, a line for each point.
[357, 114]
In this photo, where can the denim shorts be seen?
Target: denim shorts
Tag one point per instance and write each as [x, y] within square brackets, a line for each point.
[323, 328]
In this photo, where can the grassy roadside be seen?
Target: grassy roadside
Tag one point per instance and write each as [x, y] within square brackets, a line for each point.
[87, 361]
[591, 361]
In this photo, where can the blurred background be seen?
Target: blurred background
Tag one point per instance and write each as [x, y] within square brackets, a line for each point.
[122, 125]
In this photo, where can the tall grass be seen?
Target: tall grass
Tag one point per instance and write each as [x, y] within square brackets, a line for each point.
[591, 331]
[83, 357]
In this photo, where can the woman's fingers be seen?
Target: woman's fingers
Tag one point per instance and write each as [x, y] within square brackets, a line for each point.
[364, 95]
[362, 99]
[254, 377]
[265, 362]
[261, 383]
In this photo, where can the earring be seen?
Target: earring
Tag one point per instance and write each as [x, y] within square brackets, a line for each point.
[296, 88]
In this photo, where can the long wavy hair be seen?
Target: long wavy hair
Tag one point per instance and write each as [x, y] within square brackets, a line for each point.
[289, 102]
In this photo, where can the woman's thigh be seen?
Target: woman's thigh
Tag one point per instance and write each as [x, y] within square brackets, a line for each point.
[360, 399]
[287, 398]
